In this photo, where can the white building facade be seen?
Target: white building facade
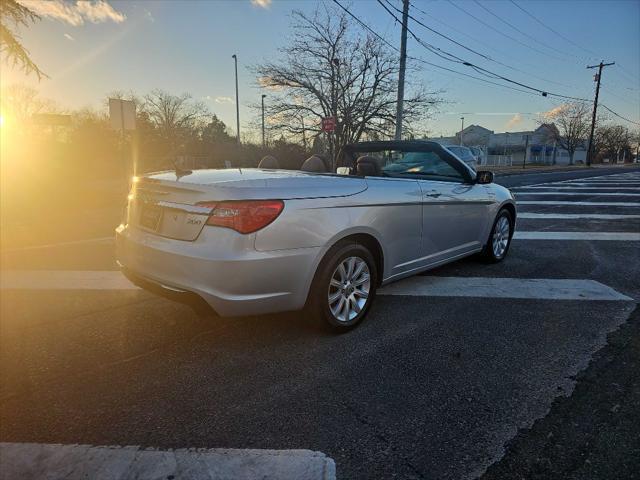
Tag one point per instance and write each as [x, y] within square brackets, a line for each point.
[515, 148]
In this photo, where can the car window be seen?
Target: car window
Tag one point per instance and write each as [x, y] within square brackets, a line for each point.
[428, 164]
[462, 153]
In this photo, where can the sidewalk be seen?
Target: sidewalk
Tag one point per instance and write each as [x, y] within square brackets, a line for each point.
[33, 461]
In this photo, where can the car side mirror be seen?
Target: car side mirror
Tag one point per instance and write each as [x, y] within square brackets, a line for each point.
[484, 177]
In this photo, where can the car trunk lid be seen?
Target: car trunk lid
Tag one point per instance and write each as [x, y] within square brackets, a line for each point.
[168, 204]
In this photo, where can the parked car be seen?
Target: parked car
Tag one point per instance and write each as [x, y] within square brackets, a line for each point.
[256, 241]
[479, 155]
[463, 153]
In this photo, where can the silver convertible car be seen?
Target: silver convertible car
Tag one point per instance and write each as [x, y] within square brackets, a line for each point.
[264, 240]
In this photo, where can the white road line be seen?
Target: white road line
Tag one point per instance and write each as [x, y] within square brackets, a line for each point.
[553, 187]
[589, 182]
[600, 182]
[570, 216]
[60, 244]
[484, 287]
[437, 286]
[65, 280]
[75, 462]
[589, 236]
[599, 194]
[603, 177]
[582, 182]
[585, 204]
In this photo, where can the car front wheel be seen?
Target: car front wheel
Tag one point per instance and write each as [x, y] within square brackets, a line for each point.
[499, 240]
[344, 287]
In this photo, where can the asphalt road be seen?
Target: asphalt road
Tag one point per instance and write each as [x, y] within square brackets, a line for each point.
[427, 387]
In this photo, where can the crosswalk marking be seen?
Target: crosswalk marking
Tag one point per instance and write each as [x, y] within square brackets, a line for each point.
[601, 182]
[523, 288]
[65, 280]
[586, 204]
[551, 289]
[600, 194]
[589, 236]
[571, 216]
[562, 187]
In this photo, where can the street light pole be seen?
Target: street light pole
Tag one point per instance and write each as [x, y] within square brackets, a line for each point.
[264, 144]
[461, 118]
[235, 59]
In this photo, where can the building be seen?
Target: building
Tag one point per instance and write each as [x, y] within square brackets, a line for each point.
[515, 148]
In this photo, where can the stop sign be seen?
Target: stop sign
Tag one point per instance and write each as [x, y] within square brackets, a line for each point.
[328, 124]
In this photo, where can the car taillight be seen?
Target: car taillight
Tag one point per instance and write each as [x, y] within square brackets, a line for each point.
[244, 216]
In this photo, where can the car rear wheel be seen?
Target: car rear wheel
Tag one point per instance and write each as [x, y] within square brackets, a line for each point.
[344, 287]
[499, 240]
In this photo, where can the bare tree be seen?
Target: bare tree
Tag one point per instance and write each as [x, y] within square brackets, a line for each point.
[13, 15]
[24, 101]
[332, 69]
[175, 116]
[613, 140]
[571, 121]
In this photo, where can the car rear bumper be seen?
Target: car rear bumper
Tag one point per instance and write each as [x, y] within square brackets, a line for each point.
[234, 281]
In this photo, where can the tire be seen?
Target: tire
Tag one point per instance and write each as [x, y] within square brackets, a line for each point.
[333, 300]
[499, 240]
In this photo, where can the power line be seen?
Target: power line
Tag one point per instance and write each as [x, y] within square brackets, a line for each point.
[479, 69]
[433, 49]
[393, 47]
[520, 31]
[618, 115]
[486, 57]
[627, 72]
[386, 42]
[552, 30]
[620, 97]
[460, 32]
[628, 76]
[504, 34]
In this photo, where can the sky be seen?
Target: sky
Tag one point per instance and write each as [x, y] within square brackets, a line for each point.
[89, 49]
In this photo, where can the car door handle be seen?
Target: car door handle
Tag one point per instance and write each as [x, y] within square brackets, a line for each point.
[432, 194]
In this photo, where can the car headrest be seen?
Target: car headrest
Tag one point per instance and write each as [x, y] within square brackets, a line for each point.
[368, 166]
[314, 164]
[268, 162]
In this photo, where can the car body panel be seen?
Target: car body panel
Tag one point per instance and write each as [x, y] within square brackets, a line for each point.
[256, 183]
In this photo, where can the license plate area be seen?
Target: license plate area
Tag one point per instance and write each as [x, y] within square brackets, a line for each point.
[150, 217]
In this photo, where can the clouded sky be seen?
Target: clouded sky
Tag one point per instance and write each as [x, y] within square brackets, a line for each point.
[92, 48]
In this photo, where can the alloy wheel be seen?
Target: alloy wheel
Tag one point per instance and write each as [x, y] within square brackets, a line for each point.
[501, 234]
[349, 289]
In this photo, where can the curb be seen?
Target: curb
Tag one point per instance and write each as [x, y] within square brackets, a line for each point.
[73, 462]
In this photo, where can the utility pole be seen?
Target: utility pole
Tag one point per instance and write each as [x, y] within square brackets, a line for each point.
[235, 59]
[595, 108]
[403, 66]
[461, 130]
[264, 144]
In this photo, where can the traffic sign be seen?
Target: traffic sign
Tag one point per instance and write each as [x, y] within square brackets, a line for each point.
[122, 114]
[328, 124]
